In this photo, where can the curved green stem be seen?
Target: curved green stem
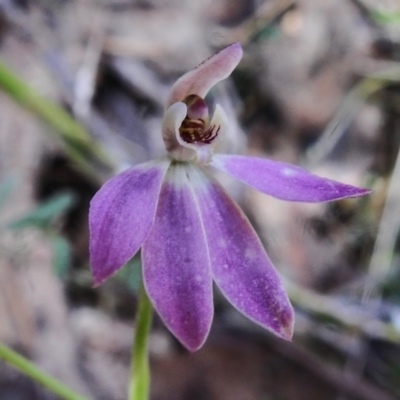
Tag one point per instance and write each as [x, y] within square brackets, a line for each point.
[29, 369]
[139, 385]
[79, 145]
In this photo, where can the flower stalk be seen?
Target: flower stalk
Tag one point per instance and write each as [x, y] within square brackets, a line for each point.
[139, 384]
[29, 369]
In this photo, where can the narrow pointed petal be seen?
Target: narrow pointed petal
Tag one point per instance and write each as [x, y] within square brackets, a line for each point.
[240, 266]
[176, 263]
[285, 181]
[121, 215]
[202, 78]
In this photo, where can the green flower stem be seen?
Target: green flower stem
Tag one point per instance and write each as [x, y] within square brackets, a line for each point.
[139, 385]
[29, 369]
[79, 144]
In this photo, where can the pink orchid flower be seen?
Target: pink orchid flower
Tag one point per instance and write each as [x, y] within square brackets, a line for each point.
[190, 231]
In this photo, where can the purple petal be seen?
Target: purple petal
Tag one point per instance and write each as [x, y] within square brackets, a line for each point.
[121, 215]
[285, 181]
[176, 263]
[239, 264]
[201, 79]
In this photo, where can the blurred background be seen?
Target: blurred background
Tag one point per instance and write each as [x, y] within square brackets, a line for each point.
[82, 90]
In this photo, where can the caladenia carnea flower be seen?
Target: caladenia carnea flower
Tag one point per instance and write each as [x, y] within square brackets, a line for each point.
[190, 231]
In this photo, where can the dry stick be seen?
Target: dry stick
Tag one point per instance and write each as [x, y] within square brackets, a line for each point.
[333, 376]
[341, 120]
[297, 354]
[381, 260]
[85, 81]
[382, 256]
[389, 225]
[350, 317]
[349, 108]
[263, 17]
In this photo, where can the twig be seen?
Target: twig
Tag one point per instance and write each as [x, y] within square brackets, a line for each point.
[342, 119]
[87, 73]
[382, 256]
[349, 316]
[263, 17]
[296, 353]
[348, 110]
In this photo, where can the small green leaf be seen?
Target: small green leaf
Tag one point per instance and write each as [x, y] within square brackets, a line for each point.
[6, 187]
[131, 273]
[386, 17]
[62, 255]
[46, 212]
